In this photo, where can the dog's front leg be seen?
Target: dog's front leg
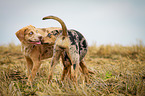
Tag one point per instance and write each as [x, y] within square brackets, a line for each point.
[36, 65]
[55, 58]
[29, 65]
[84, 71]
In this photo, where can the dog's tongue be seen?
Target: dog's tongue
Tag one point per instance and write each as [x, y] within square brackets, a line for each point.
[36, 42]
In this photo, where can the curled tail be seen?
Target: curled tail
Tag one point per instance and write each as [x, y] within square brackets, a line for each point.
[64, 29]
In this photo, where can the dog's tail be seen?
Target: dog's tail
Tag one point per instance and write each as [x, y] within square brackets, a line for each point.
[64, 29]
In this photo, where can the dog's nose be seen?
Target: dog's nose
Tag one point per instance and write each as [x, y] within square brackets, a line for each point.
[40, 37]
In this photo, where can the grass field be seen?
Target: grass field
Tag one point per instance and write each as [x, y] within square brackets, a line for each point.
[119, 71]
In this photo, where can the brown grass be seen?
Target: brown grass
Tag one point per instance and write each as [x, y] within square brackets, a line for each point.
[119, 70]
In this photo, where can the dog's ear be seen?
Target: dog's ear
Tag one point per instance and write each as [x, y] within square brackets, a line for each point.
[21, 33]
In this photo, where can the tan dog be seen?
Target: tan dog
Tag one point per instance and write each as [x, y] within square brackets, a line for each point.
[73, 43]
[34, 51]
[29, 38]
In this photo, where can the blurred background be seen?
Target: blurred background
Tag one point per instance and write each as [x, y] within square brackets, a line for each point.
[100, 21]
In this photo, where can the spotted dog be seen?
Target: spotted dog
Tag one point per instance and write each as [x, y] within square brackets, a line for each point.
[72, 43]
[50, 40]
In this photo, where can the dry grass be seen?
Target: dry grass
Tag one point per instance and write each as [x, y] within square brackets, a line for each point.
[119, 70]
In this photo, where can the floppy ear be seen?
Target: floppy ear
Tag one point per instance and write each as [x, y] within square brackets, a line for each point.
[20, 34]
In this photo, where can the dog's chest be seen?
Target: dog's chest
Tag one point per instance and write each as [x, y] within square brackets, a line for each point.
[27, 49]
[46, 52]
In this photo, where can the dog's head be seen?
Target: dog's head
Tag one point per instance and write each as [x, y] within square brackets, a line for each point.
[29, 35]
[51, 37]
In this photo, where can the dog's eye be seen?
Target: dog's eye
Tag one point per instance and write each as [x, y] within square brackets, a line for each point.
[31, 33]
[49, 35]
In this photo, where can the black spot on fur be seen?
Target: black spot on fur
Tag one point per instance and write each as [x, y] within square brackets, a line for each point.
[79, 35]
[25, 30]
[80, 48]
[76, 47]
[39, 58]
[84, 44]
[66, 58]
[55, 32]
[65, 68]
[49, 35]
[44, 52]
[63, 38]
[72, 38]
[74, 66]
[33, 46]
[62, 48]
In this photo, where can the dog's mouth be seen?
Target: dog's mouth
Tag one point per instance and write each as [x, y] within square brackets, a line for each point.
[48, 43]
[43, 42]
[35, 42]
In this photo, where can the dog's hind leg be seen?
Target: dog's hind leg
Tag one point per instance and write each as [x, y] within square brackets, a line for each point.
[76, 70]
[67, 66]
[66, 71]
[55, 59]
[74, 57]
[85, 71]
